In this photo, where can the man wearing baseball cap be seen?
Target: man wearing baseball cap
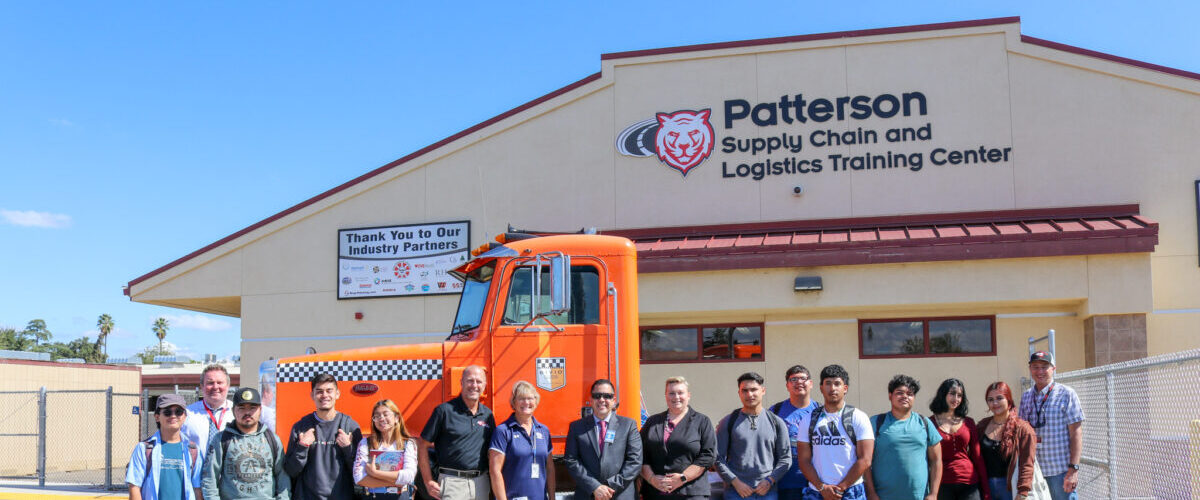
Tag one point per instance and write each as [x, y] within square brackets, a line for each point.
[165, 466]
[245, 460]
[1056, 415]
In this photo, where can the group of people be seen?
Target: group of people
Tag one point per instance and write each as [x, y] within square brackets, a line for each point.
[796, 449]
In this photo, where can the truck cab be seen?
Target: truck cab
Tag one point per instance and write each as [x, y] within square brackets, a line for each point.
[557, 311]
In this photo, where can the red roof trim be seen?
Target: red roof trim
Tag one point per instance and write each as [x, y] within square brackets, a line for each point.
[1109, 57]
[368, 175]
[877, 240]
[988, 216]
[812, 37]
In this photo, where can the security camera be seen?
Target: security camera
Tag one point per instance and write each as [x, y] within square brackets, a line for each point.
[797, 190]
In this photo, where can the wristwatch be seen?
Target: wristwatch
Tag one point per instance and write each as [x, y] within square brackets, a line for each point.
[1073, 466]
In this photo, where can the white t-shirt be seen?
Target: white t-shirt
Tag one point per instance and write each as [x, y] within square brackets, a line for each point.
[833, 454]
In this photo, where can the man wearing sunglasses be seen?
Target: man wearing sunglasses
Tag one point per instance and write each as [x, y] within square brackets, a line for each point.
[604, 450]
[792, 410]
[1056, 415]
[166, 466]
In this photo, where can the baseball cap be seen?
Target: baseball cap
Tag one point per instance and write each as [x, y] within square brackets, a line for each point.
[1042, 356]
[169, 400]
[247, 395]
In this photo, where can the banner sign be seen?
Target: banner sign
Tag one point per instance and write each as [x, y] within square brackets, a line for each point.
[404, 260]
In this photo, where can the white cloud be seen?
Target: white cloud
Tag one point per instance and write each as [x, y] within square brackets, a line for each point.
[195, 322]
[30, 218]
[62, 122]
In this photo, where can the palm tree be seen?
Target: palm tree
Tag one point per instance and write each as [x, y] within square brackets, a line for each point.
[160, 330]
[105, 325]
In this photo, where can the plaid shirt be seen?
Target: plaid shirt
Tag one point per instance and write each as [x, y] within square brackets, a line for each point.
[1050, 414]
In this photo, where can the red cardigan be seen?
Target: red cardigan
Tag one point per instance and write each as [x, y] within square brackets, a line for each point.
[1025, 449]
[962, 462]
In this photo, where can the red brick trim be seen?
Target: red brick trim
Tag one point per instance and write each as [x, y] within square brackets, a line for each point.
[812, 37]
[1109, 57]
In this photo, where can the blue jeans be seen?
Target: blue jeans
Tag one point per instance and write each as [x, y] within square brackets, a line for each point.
[732, 494]
[858, 491]
[791, 493]
[1056, 488]
[999, 487]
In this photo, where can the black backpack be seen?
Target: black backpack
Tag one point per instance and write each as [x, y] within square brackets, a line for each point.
[151, 443]
[847, 423]
[227, 437]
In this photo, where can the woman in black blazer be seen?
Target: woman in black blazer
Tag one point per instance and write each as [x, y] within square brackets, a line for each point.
[676, 469]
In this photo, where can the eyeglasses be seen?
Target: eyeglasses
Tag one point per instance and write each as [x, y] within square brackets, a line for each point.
[603, 395]
[798, 380]
[380, 416]
[1000, 399]
[174, 411]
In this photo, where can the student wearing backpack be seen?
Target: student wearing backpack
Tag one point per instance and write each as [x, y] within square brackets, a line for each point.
[907, 462]
[792, 410]
[166, 466]
[322, 445]
[836, 451]
[752, 445]
[244, 460]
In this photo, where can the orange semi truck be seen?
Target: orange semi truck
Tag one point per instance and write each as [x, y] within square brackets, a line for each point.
[559, 311]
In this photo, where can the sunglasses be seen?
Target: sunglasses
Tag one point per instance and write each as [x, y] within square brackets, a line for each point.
[603, 395]
[172, 412]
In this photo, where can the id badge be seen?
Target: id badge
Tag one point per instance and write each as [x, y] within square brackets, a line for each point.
[610, 436]
[535, 473]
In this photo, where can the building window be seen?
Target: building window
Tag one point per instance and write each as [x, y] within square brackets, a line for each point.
[920, 337]
[673, 344]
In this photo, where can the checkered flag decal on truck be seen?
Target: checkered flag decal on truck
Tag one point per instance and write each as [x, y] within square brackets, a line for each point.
[375, 369]
[551, 362]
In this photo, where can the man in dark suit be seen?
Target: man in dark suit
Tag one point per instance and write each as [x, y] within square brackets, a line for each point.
[604, 450]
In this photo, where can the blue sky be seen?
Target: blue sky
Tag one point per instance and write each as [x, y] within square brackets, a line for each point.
[132, 133]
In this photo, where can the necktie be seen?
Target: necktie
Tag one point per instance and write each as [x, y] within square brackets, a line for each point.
[603, 435]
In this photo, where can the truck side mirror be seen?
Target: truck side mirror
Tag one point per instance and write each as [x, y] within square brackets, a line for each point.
[560, 284]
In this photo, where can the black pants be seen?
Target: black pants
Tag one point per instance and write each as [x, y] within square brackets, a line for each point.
[949, 491]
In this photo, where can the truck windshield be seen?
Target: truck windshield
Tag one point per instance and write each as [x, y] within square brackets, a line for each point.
[474, 296]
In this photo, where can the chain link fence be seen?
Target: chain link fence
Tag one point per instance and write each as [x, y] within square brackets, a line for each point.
[81, 437]
[1141, 433]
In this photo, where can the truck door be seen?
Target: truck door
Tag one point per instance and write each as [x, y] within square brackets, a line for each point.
[561, 355]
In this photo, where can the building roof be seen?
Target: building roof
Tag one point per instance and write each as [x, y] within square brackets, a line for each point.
[596, 78]
[876, 240]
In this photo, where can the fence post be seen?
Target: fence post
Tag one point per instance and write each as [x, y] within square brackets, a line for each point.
[1110, 398]
[108, 438]
[143, 422]
[41, 448]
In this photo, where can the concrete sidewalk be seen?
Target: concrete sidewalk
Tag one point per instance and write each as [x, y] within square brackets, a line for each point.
[56, 492]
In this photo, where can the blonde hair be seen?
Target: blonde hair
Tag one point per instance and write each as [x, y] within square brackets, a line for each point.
[399, 434]
[678, 380]
[523, 388]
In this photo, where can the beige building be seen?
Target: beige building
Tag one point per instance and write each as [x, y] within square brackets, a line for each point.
[956, 188]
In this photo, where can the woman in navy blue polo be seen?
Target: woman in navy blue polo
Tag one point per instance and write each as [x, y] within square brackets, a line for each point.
[519, 459]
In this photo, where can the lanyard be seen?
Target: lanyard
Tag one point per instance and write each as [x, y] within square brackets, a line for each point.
[1041, 406]
[212, 418]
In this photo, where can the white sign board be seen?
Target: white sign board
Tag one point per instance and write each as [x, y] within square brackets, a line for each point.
[401, 260]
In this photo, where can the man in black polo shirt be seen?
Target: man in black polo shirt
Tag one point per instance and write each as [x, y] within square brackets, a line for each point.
[460, 431]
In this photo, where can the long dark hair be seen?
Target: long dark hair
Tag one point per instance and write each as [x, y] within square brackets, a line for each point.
[938, 405]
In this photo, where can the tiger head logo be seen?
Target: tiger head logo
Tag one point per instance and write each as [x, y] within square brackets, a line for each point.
[682, 139]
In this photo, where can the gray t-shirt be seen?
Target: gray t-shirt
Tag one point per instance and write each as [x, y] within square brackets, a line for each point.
[760, 448]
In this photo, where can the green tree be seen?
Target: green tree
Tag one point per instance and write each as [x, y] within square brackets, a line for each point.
[37, 332]
[82, 348]
[12, 340]
[105, 325]
[161, 325]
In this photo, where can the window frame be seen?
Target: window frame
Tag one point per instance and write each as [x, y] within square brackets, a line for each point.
[503, 304]
[699, 329]
[925, 333]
